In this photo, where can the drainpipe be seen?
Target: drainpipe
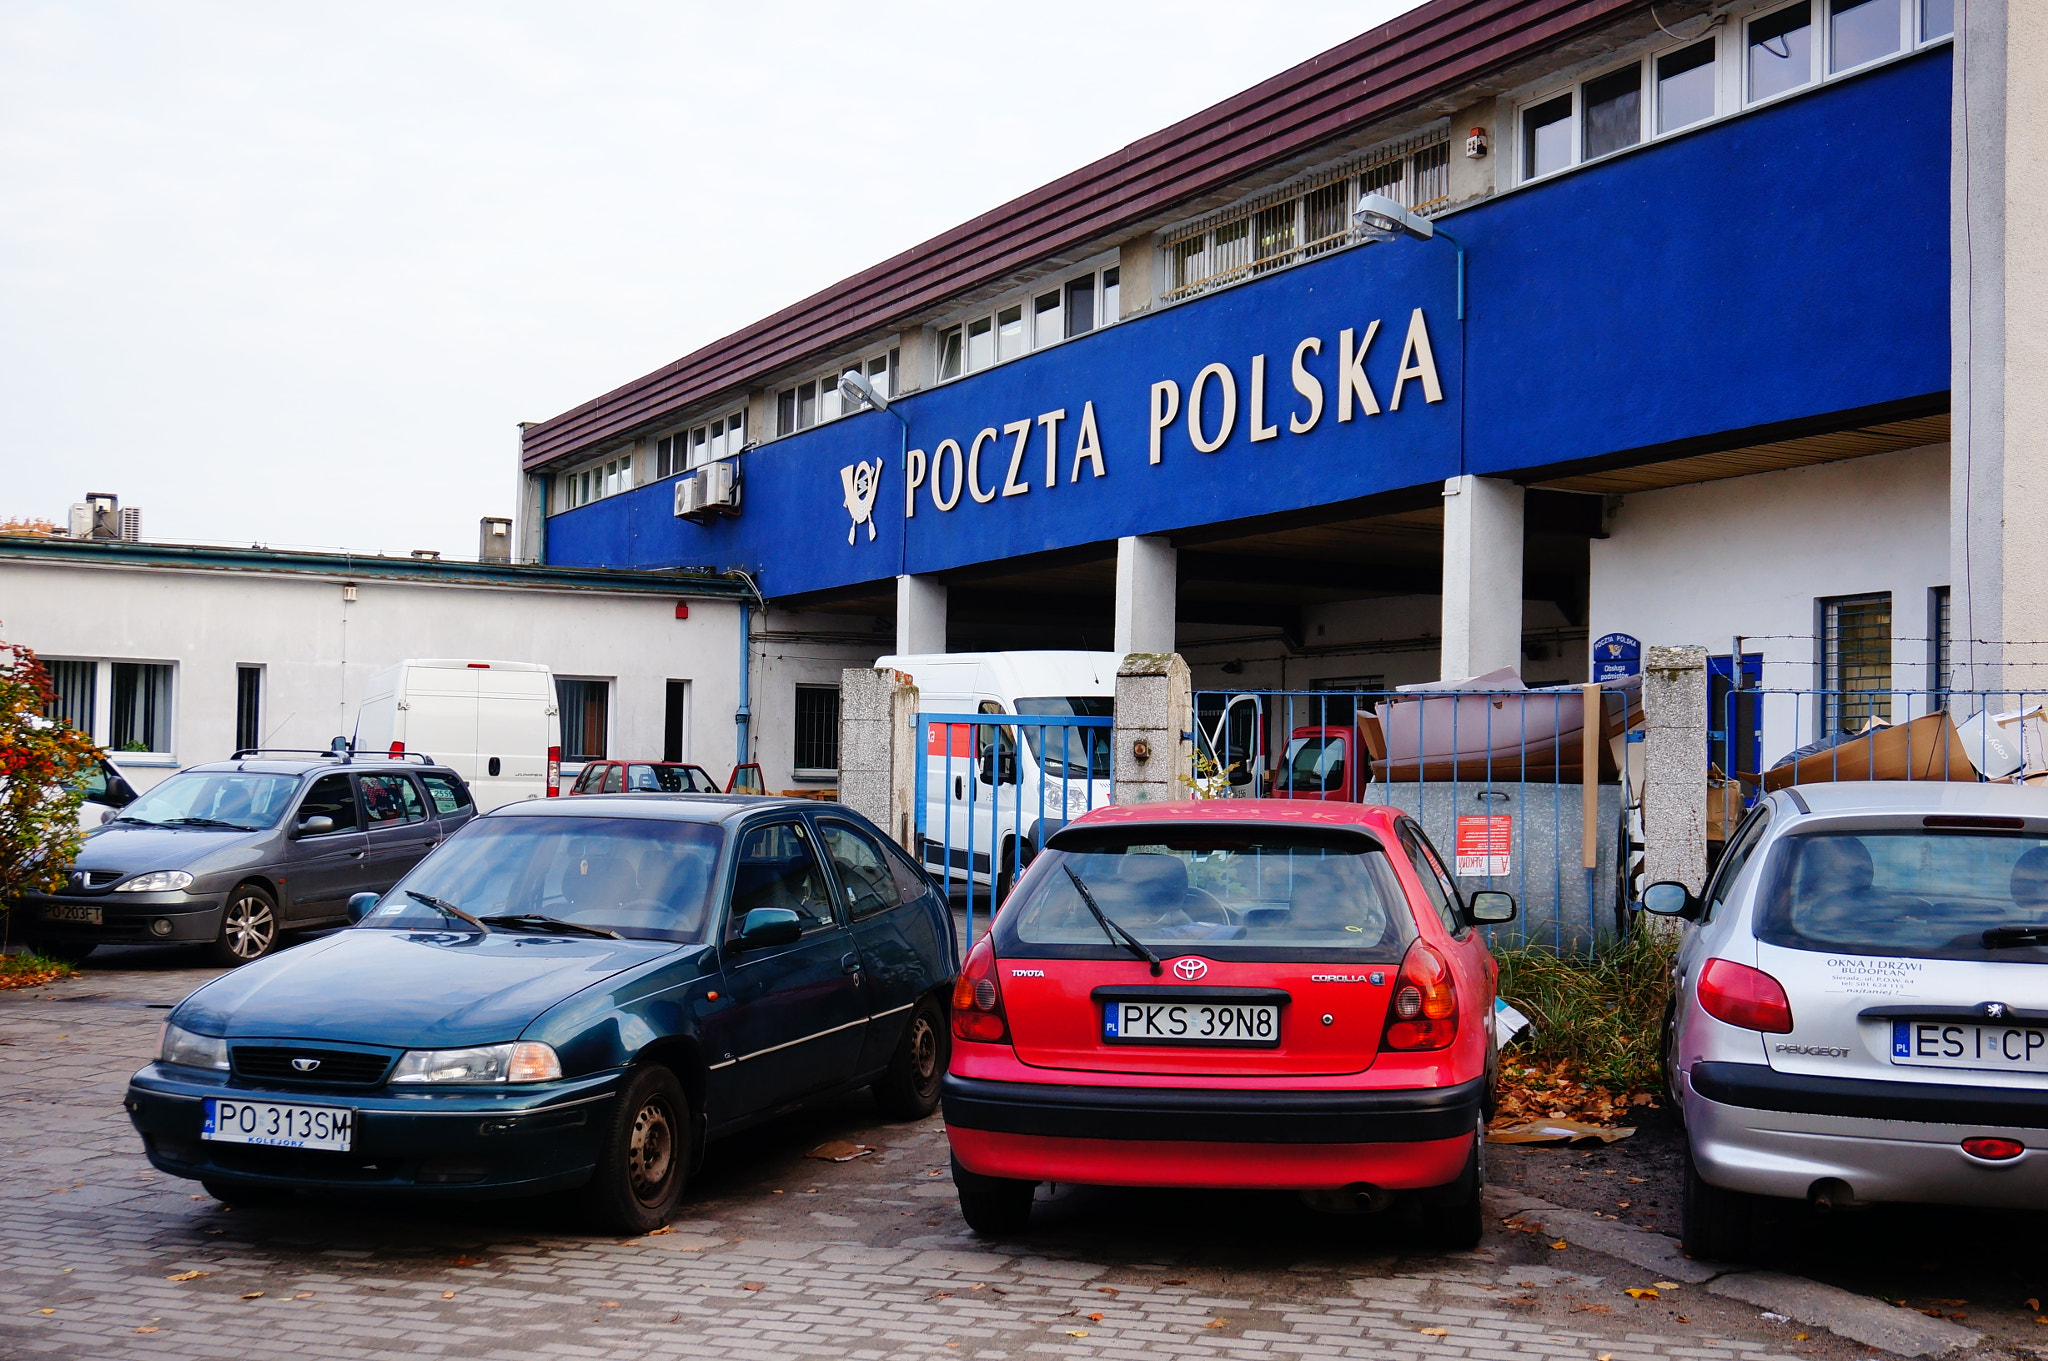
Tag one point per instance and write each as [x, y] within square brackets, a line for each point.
[743, 716]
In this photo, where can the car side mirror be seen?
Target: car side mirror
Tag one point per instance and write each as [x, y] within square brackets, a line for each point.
[766, 927]
[359, 905]
[1490, 907]
[1668, 898]
[316, 825]
[998, 769]
[1239, 777]
[119, 794]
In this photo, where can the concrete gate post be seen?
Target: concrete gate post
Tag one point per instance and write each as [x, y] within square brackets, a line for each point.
[1675, 765]
[1155, 713]
[878, 749]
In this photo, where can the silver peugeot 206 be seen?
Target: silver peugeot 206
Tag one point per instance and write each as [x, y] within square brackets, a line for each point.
[1859, 1010]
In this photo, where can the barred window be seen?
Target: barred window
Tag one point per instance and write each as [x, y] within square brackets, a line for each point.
[248, 707]
[817, 730]
[584, 718]
[1856, 660]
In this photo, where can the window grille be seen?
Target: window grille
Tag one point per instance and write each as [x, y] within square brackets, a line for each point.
[1944, 657]
[1856, 665]
[817, 730]
[583, 704]
[1302, 220]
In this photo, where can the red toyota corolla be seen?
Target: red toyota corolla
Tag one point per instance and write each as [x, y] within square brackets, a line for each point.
[1232, 993]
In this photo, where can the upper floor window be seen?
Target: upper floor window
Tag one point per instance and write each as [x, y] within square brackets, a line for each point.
[1781, 50]
[817, 400]
[1078, 306]
[707, 443]
[1856, 661]
[1303, 220]
[1686, 86]
[596, 482]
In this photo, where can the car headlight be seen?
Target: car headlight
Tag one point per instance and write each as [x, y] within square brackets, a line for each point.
[524, 1061]
[187, 1050]
[163, 881]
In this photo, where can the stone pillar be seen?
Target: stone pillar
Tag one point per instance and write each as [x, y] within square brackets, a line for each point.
[1675, 765]
[1998, 291]
[1155, 713]
[920, 615]
[1482, 577]
[1146, 595]
[878, 748]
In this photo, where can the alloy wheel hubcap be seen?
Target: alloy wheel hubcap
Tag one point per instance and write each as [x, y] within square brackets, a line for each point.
[250, 927]
[651, 1153]
[924, 1052]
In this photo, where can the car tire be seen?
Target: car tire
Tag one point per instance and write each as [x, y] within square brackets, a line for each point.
[910, 1089]
[643, 1161]
[63, 951]
[248, 927]
[994, 1207]
[1713, 1223]
[1667, 1065]
[1454, 1216]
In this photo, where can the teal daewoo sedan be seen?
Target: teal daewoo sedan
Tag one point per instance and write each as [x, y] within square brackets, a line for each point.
[566, 995]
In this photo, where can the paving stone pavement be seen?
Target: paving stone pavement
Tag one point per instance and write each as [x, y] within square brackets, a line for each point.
[773, 1256]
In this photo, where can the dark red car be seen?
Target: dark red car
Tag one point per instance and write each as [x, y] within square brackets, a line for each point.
[644, 777]
[1232, 993]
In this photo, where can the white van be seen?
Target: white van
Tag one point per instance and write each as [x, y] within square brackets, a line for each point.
[494, 723]
[991, 793]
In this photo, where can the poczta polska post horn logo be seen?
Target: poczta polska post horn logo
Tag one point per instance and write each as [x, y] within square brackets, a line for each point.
[860, 481]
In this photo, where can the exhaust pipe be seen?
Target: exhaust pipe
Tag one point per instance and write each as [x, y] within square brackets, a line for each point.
[1359, 1198]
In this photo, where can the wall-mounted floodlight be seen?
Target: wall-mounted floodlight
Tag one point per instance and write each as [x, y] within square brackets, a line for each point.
[857, 389]
[1379, 218]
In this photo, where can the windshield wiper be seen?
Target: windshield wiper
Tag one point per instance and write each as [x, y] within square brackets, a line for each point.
[1115, 931]
[534, 921]
[450, 908]
[204, 822]
[2000, 937]
[139, 822]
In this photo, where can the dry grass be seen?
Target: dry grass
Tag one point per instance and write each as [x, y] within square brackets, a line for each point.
[31, 971]
[1593, 1022]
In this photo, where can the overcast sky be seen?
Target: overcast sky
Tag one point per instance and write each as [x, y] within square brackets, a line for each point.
[292, 273]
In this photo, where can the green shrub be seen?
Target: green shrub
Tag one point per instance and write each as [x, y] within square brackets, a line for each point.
[1602, 1015]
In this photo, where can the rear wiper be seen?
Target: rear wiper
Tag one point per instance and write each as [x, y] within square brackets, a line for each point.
[1116, 933]
[2000, 937]
[534, 921]
[450, 908]
[204, 822]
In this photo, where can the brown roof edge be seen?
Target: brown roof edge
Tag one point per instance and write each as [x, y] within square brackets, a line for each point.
[1401, 64]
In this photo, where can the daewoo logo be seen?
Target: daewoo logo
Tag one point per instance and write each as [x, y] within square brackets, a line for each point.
[305, 1065]
[1188, 970]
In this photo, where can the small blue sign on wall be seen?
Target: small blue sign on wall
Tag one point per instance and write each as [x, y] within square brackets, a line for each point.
[1617, 656]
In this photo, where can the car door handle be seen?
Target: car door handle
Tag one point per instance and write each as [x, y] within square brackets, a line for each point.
[849, 964]
[956, 788]
[357, 855]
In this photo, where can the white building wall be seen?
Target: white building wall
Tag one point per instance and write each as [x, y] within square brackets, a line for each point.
[1755, 555]
[318, 650]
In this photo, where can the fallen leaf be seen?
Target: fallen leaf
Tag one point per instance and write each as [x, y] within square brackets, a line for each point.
[979, 1285]
[1591, 1309]
[656, 1233]
[1931, 1313]
[1635, 1292]
[216, 1232]
[608, 1304]
[752, 1285]
[188, 1275]
[1175, 1281]
[2033, 1306]
[1095, 1318]
[840, 1151]
[776, 1192]
[1666, 1285]
[1639, 1180]
[1560, 1243]
[1604, 1356]
[447, 1294]
[467, 1261]
[145, 1330]
[307, 1296]
[1683, 1319]
[1217, 1323]
[1622, 1204]
[1107, 1289]
[253, 1295]
[48, 1311]
[1077, 1332]
[1799, 1337]
[1434, 1332]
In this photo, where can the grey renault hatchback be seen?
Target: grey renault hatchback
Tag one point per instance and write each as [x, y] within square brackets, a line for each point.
[234, 852]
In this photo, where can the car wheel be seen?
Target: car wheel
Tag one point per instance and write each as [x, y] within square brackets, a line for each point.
[248, 927]
[1713, 1223]
[1667, 1062]
[63, 951]
[910, 1089]
[994, 1207]
[1454, 1216]
[640, 1167]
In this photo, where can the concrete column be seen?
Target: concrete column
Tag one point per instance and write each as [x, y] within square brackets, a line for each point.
[1155, 712]
[920, 615]
[1998, 291]
[1145, 595]
[1482, 576]
[1137, 282]
[1675, 765]
[878, 748]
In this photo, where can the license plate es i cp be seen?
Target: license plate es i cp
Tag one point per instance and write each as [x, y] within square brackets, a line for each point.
[1946, 1044]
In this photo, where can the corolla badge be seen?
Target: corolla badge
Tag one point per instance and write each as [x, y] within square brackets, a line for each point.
[1188, 970]
[305, 1065]
[860, 481]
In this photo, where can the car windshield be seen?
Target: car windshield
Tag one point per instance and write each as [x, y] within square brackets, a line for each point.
[1924, 894]
[1266, 892]
[647, 878]
[1073, 753]
[231, 799]
[1314, 764]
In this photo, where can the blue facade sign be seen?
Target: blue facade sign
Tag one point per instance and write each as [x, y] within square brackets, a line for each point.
[1617, 656]
[1784, 265]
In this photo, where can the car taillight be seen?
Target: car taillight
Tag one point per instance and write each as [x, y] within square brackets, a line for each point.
[554, 772]
[1424, 1012]
[1745, 997]
[978, 1000]
[1993, 1149]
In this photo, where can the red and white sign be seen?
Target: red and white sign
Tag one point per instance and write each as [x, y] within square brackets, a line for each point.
[1484, 844]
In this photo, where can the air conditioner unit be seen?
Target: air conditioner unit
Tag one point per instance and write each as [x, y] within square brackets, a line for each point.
[687, 493]
[720, 489]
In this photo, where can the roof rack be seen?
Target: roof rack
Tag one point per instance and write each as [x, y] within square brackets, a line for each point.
[332, 754]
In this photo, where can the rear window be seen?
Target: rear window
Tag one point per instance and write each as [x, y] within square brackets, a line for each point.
[1252, 893]
[1920, 894]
